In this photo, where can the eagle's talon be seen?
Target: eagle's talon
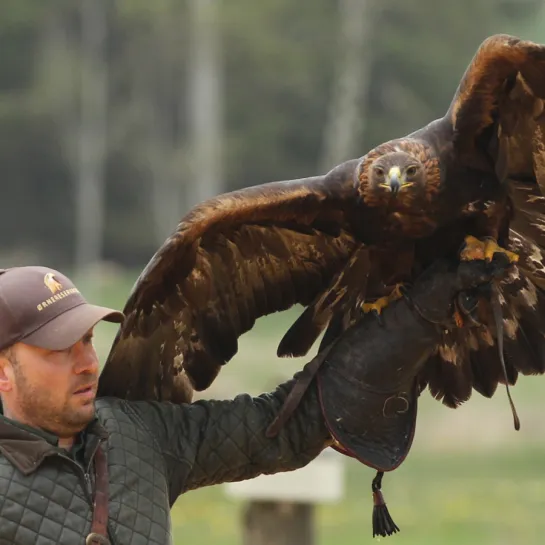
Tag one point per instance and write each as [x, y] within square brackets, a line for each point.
[398, 292]
[377, 306]
[491, 248]
[475, 249]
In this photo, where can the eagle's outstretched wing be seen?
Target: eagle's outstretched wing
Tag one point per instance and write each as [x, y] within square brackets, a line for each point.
[498, 121]
[232, 259]
[497, 111]
[497, 125]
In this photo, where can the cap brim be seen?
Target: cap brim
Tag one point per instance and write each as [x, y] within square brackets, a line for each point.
[70, 326]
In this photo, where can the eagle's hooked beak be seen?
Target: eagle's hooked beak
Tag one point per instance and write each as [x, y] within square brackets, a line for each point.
[393, 180]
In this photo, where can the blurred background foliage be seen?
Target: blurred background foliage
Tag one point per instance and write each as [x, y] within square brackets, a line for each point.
[117, 116]
[278, 66]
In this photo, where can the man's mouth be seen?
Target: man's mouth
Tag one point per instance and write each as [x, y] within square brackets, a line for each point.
[86, 390]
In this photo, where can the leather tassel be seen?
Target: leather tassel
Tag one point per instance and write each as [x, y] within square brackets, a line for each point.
[383, 525]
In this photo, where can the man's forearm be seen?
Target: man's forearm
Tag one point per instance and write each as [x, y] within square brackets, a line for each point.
[213, 441]
[234, 445]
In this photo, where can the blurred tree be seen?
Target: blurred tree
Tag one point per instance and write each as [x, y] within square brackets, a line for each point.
[422, 50]
[279, 57]
[157, 88]
[352, 82]
[283, 64]
[35, 177]
[92, 133]
[205, 105]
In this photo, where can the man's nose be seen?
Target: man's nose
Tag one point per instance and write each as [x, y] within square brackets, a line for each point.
[86, 360]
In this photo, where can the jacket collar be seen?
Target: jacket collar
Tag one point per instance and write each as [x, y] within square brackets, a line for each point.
[26, 447]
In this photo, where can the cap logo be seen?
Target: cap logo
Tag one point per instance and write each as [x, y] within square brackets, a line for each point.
[53, 285]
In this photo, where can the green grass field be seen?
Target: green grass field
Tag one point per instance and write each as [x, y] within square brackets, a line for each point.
[479, 498]
[469, 479]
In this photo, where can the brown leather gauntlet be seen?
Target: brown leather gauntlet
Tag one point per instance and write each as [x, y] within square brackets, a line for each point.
[366, 378]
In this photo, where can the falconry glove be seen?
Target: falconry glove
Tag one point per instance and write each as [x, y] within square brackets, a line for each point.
[367, 378]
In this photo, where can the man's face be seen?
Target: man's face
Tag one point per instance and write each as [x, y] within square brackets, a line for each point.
[52, 390]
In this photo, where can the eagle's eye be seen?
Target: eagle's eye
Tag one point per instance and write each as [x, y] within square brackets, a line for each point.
[379, 171]
[412, 170]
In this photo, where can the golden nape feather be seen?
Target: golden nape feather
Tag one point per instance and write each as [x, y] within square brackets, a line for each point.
[338, 242]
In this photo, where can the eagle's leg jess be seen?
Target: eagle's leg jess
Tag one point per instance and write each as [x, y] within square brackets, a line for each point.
[378, 305]
[476, 249]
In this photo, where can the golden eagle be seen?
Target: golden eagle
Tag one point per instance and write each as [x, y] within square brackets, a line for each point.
[341, 242]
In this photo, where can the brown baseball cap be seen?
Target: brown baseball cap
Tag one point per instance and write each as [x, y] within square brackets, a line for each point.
[42, 307]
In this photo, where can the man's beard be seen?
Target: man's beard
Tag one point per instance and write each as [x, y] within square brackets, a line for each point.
[36, 408]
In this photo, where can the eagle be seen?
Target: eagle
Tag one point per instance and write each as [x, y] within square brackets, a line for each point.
[468, 185]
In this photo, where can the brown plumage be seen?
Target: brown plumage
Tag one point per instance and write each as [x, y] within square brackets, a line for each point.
[332, 242]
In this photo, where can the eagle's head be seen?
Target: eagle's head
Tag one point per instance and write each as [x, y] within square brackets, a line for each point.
[401, 174]
[397, 171]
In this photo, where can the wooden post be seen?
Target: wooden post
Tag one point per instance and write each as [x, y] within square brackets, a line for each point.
[280, 508]
[278, 523]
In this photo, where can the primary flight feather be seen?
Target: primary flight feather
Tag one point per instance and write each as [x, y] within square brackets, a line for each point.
[339, 243]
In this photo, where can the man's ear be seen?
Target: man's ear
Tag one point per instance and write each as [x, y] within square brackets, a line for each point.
[6, 374]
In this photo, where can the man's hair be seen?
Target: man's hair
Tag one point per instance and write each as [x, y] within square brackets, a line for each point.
[8, 354]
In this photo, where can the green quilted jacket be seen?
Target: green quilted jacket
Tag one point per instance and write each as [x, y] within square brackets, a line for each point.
[156, 451]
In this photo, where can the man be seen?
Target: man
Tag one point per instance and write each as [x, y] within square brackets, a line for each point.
[75, 469]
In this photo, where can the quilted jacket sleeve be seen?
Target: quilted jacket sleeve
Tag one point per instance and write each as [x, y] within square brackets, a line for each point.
[210, 442]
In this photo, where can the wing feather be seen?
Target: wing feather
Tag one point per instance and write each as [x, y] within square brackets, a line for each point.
[231, 260]
[503, 86]
[341, 297]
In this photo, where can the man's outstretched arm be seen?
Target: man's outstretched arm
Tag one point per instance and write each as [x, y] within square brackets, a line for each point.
[214, 441]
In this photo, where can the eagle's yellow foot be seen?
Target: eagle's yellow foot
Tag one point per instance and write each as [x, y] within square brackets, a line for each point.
[383, 302]
[485, 249]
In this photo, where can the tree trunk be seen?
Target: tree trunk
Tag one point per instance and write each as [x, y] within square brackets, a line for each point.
[92, 135]
[166, 144]
[347, 113]
[205, 109]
